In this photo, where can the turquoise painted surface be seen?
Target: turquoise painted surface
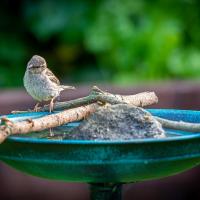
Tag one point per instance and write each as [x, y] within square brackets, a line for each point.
[105, 161]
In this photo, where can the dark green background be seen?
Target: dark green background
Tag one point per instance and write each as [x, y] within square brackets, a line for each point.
[115, 41]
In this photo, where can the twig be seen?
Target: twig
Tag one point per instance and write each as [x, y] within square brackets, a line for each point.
[97, 95]
[179, 125]
[8, 128]
[78, 109]
[49, 121]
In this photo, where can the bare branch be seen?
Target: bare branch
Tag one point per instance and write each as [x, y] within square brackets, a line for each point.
[141, 99]
[179, 125]
[49, 121]
[74, 110]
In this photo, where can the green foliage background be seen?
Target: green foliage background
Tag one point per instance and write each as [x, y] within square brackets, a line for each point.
[117, 41]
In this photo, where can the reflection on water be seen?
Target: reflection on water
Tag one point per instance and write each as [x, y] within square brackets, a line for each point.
[54, 133]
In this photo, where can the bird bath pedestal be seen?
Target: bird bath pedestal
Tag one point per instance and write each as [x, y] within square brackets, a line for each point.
[105, 165]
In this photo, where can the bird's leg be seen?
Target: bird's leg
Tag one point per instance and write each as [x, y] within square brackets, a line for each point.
[51, 104]
[51, 133]
[36, 107]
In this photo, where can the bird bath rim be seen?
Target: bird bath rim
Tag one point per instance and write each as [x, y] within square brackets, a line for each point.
[156, 112]
[105, 164]
[90, 142]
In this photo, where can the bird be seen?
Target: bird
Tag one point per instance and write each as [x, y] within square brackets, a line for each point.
[41, 83]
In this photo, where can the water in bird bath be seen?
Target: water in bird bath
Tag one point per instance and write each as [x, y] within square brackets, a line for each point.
[65, 133]
[116, 122]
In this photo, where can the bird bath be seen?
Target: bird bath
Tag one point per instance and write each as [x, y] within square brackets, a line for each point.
[105, 165]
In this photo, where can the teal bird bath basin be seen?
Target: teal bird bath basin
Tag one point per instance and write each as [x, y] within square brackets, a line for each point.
[105, 164]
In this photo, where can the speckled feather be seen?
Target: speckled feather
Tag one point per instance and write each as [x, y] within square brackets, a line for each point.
[40, 82]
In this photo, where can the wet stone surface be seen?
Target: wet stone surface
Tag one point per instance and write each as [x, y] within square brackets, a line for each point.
[118, 122]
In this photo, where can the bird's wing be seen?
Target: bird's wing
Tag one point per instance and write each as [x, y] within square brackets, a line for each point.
[52, 77]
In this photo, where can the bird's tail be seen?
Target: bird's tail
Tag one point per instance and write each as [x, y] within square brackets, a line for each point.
[65, 87]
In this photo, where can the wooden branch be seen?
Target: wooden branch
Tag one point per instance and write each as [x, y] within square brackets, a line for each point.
[8, 127]
[141, 100]
[179, 125]
[78, 109]
[30, 125]
[49, 121]
[97, 95]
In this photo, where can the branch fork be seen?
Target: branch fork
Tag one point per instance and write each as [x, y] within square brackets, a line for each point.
[80, 108]
[73, 110]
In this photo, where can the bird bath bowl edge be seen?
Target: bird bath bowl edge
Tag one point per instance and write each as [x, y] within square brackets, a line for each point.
[105, 164]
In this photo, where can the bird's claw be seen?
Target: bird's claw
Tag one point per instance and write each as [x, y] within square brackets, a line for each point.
[36, 108]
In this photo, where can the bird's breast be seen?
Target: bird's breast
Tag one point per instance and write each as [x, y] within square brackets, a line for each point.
[39, 87]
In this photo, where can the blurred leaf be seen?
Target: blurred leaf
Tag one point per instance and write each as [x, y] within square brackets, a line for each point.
[48, 18]
[119, 41]
[185, 63]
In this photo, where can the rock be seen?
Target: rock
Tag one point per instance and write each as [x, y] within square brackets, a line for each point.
[118, 122]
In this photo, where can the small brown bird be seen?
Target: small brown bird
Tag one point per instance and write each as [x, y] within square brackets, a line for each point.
[41, 83]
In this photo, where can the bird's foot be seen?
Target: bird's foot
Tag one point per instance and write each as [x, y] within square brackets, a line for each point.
[36, 108]
[51, 133]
